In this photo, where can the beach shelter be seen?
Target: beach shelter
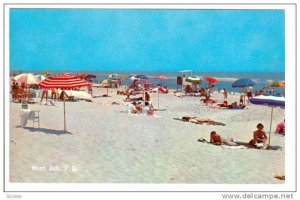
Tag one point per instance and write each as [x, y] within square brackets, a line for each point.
[27, 79]
[272, 101]
[63, 81]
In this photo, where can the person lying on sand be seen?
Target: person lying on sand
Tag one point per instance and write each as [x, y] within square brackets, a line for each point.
[218, 140]
[259, 136]
[197, 120]
[233, 105]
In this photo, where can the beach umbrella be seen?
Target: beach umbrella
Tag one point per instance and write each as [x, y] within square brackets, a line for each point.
[210, 80]
[161, 77]
[106, 83]
[63, 81]
[272, 101]
[158, 90]
[123, 78]
[141, 76]
[193, 79]
[27, 79]
[243, 82]
[280, 84]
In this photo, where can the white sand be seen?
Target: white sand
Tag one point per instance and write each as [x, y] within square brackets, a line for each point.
[109, 146]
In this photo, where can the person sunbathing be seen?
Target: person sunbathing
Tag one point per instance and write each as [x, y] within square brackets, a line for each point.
[280, 127]
[215, 138]
[218, 140]
[259, 136]
[224, 104]
[233, 105]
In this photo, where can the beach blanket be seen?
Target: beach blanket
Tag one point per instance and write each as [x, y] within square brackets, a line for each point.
[240, 145]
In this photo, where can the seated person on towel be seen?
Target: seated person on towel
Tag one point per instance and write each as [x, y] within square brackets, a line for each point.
[259, 136]
[137, 109]
[148, 109]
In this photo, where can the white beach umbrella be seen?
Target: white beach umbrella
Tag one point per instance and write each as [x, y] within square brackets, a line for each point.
[27, 79]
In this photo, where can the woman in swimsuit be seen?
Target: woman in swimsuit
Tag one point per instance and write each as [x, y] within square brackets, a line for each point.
[259, 136]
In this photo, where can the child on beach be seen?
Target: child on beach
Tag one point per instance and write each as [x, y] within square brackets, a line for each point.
[259, 136]
[225, 93]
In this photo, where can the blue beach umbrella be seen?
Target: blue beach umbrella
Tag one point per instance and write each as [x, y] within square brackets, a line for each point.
[272, 101]
[140, 76]
[243, 82]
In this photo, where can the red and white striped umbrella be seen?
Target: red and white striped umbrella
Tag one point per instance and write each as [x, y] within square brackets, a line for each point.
[63, 81]
[27, 79]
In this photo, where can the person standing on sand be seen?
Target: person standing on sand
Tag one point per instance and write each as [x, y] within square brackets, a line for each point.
[147, 97]
[53, 94]
[225, 93]
[44, 93]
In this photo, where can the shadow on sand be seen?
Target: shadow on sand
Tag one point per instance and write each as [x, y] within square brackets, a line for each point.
[48, 131]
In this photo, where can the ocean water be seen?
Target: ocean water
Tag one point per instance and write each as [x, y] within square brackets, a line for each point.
[225, 79]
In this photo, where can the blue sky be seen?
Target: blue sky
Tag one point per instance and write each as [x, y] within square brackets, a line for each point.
[145, 40]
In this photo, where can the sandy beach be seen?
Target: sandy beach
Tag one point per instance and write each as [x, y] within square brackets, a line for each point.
[104, 144]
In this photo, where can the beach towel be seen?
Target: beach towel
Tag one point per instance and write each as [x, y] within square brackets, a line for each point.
[240, 145]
